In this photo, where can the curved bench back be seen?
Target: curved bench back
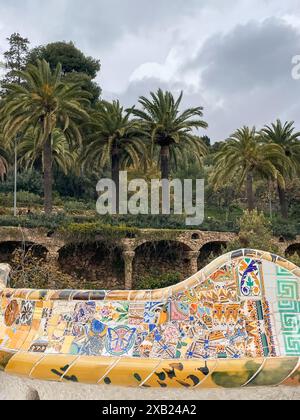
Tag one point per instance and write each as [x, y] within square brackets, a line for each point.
[236, 322]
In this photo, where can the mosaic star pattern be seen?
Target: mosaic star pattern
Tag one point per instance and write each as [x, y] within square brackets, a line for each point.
[235, 323]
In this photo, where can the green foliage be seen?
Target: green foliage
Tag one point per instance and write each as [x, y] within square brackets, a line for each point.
[43, 104]
[245, 156]
[31, 151]
[77, 206]
[66, 54]
[158, 282]
[35, 221]
[3, 163]
[30, 181]
[169, 130]
[285, 229]
[87, 232]
[115, 136]
[255, 232]
[76, 67]
[295, 259]
[24, 198]
[15, 57]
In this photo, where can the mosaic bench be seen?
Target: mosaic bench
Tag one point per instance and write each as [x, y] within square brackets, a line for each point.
[236, 323]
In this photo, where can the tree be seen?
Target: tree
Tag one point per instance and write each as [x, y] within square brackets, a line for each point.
[243, 157]
[31, 151]
[3, 162]
[115, 140]
[44, 102]
[16, 57]
[170, 130]
[288, 139]
[255, 232]
[76, 67]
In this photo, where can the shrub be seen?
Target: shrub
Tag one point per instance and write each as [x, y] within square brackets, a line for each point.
[255, 232]
[285, 229]
[295, 259]
[24, 198]
[158, 282]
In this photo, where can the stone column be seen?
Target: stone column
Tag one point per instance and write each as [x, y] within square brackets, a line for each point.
[52, 257]
[128, 259]
[192, 256]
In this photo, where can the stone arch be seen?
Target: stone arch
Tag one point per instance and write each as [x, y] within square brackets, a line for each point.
[293, 249]
[96, 264]
[209, 250]
[155, 258]
[8, 249]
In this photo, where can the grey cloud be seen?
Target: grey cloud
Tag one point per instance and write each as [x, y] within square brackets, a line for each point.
[96, 22]
[244, 71]
[246, 78]
[253, 55]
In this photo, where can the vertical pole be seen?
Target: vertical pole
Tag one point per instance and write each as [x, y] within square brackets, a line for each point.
[15, 180]
[270, 200]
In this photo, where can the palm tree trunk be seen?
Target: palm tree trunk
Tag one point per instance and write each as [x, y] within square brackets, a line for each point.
[283, 202]
[115, 174]
[165, 162]
[48, 178]
[250, 193]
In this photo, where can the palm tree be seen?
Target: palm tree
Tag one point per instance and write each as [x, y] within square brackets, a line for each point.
[3, 162]
[170, 130]
[289, 140]
[243, 157]
[31, 151]
[44, 102]
[116, 140]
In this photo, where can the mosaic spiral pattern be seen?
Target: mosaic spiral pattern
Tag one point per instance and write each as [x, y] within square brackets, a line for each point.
[235, 323]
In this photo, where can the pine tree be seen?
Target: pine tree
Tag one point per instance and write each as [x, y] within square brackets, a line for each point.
[15, 58]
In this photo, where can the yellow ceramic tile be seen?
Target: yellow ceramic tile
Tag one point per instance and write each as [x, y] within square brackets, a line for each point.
[275, 371]
[23, 363]
[52, 367]
[230, 373]
[130, 372]
[185, 374]
[90, 370]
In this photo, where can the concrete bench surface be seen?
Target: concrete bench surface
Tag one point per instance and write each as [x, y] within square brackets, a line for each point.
[236, 323]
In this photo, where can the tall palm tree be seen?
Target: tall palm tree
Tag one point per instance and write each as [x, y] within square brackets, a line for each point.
[3, 162]
[30, 151]
[44, 102]
[116, 140]
[170, 130]
[243, 157]
[286, 137]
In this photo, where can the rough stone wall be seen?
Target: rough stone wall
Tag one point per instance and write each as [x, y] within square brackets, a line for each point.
[93, 266]
[154, 264]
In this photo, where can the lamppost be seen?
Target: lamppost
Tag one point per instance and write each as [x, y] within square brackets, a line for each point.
[16, 175]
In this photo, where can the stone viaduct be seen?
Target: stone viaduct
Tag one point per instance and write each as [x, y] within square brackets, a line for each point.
[194, 245]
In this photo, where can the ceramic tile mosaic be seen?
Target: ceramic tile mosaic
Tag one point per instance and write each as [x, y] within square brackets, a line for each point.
[236, 323]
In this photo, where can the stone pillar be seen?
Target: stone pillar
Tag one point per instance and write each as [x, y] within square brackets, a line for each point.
[52, 257]
[192, 256]
[128, 259]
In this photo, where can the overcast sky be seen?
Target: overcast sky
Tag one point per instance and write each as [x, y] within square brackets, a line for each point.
[231, 56]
